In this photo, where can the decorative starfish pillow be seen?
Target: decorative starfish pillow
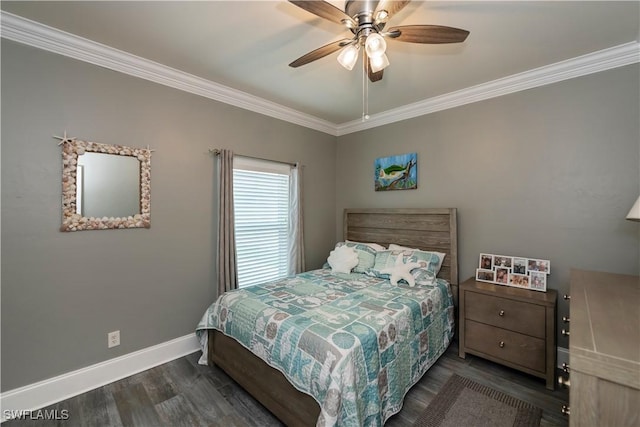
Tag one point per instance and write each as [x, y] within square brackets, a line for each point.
[342, 259]
[401, 271]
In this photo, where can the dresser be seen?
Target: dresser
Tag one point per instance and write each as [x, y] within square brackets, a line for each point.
[604, 349]
[511, 326]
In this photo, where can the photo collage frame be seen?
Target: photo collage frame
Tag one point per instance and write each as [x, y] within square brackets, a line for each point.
[518, 272]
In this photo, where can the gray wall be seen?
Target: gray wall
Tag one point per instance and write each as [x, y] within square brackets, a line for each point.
[546, 173]
[62, 292]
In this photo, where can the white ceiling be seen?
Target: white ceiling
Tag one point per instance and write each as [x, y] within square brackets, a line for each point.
[247, 45]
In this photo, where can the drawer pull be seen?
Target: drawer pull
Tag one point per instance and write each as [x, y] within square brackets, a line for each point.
[567, 297]
[565, 319]
[501, 314]
[501, 344]
[565, 332]
[565, 410]
[565, 367]
[565, 382]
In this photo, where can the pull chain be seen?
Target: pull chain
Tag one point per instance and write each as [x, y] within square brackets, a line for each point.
[365, 88]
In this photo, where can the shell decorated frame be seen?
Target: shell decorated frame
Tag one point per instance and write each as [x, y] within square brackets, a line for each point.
[72, 221]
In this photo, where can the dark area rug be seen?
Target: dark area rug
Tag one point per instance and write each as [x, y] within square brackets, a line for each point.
[462, 402]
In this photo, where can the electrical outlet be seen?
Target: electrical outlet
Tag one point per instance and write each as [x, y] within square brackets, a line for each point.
[113, 339]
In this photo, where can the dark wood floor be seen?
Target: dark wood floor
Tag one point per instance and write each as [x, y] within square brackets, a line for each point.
[183, 393]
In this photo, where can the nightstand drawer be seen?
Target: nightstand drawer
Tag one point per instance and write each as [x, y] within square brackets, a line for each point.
[512, 347]
[506, 313]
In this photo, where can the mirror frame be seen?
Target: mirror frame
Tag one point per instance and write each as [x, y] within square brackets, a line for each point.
[72, 221]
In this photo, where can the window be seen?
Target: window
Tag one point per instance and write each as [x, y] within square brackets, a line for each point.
[261, 209]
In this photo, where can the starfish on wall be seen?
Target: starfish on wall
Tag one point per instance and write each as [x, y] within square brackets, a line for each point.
[401, 271]
[64, 138]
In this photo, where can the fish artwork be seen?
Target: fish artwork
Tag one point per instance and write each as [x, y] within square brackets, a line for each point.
[396, 172]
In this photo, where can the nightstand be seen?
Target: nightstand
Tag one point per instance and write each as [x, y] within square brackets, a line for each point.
[511, 326]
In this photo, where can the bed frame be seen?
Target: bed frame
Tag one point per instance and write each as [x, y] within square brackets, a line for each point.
[426, 229]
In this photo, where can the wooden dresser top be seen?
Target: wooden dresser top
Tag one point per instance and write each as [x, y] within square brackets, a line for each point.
[605, 325]
[547, 298]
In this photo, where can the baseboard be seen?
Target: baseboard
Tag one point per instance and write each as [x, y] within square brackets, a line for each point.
[44, 393]
[562, 356]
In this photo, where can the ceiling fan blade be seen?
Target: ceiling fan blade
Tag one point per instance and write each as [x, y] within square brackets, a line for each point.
[320, 52]
[432, 34]
[373, 77]
[391, 6]
[325, 10]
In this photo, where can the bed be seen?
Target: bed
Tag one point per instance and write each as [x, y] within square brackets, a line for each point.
[360, 343]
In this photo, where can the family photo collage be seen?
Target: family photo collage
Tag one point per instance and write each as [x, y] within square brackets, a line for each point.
[519, 272]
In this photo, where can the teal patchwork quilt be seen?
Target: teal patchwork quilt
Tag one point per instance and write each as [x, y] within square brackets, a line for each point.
[354, 342]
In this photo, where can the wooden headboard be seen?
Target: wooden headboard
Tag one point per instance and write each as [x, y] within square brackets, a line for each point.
[426, 229]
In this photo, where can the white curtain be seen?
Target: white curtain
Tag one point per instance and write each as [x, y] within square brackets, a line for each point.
[296, 236]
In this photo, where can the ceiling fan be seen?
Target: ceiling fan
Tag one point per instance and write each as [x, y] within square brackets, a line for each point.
[366, 20]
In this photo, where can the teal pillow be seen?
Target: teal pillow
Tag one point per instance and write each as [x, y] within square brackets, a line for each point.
[424, 275]
[409, 251]
[383, 260]
[432, 260]
[366, 256]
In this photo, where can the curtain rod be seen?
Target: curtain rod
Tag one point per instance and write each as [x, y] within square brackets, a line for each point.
[216, 151]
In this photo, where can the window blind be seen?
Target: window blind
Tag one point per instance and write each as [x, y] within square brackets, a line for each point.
[261, 209]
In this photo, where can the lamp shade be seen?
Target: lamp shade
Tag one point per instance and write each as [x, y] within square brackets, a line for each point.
[379, 62]
[348, 57]
[634, 213]
[375, 45]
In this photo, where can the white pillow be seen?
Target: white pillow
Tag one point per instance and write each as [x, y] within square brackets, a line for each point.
[440, 255]
[395, 247]
[342, 259]
[376, 247]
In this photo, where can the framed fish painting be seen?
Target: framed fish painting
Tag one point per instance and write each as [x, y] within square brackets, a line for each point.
[396, 172]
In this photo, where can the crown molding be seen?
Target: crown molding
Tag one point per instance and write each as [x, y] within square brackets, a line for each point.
[32, 33]
[606, 59]
[25, 31]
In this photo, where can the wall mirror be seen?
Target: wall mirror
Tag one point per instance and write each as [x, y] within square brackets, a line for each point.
[105, 186]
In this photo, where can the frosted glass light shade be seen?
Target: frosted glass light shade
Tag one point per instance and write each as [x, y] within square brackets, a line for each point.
[382, 16]
[379, 63]
[348, 57]
[375, 45]
[634, 213]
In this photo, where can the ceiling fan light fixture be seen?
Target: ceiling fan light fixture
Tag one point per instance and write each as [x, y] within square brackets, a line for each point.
[366, 20]
[379, 63]
[375, 45]
[348, 57]
[382, 16]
